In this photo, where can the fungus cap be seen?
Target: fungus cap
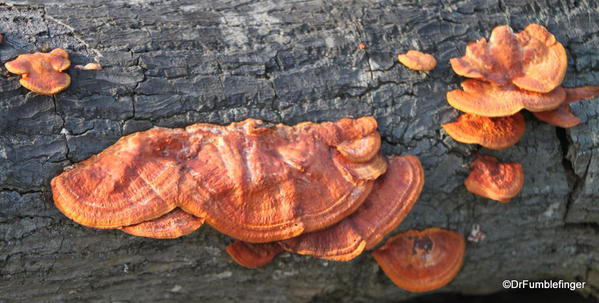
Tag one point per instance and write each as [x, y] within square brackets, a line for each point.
[420, 261]
[493, 133]
[361, 150]
[391, 199]
[560, 117]
[490, 100]
[42, 72]
[575, 94]
[250, 180]
[416, 60]
[253, 255]
[494, 180]
[532, 60]
[174, 224]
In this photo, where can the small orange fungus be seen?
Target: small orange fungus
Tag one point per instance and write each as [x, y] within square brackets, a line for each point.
[493, 133]
[494, 180]
[253, 255]
[42, 72]
[89, 66]
[416, 60]
[420, 261]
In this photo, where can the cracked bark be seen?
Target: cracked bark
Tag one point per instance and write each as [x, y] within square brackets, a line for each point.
[171, 64]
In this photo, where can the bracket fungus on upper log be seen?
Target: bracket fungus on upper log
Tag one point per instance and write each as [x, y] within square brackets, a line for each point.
[42, 73]
[533, 59]
[424, 260]
[174, 224]
[562, 116]
[416, 60]
[492, 100]
[492, 179]
[391, 199]
[493, 133]
[250, 180]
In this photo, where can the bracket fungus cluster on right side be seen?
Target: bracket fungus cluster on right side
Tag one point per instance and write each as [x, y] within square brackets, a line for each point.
[510, 72]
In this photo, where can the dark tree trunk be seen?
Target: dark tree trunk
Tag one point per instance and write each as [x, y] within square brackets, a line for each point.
[174, 63]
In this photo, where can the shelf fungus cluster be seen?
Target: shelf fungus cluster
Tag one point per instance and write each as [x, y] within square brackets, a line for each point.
[251, 180]
[391, 199]
[322, 190]
[508, 73]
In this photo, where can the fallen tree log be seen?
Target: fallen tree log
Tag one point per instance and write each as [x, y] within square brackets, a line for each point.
[176, 63]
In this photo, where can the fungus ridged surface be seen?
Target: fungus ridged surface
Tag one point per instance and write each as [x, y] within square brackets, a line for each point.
[174, 224]
[420, 261]
[390, 201]
[491, 100]
[492, 179]
[532, 60]
[253, 255]
[251, 180]
[419, 61]
[493, 133]
[42, 73]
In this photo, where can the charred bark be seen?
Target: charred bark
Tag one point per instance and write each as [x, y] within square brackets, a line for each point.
[174, 63]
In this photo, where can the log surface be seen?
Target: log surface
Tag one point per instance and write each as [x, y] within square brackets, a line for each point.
[174, 63]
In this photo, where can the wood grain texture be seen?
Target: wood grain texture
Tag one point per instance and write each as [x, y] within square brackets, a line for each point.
[174, 63]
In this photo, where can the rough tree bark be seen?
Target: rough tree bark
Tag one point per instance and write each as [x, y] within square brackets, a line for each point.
[173, 63]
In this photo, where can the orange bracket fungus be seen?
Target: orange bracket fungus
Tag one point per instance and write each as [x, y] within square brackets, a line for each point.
[390, 201]
[416, 60]
[89, 66]
[561, 116]
[420, 261]
[491, 100]
[493, 133]
[494, 180]
[251, 180]
[533, 59]
[174, 224]
[253, 255]
[42, 72]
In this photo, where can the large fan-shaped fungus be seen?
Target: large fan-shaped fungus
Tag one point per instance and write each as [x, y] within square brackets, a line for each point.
[491, 100]
[420, 261]
[533, 59]
[390, 201]
[250, 180]
[42, 72]
[494, 180]
[416, 60]
[253, 255]
[493, 133]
